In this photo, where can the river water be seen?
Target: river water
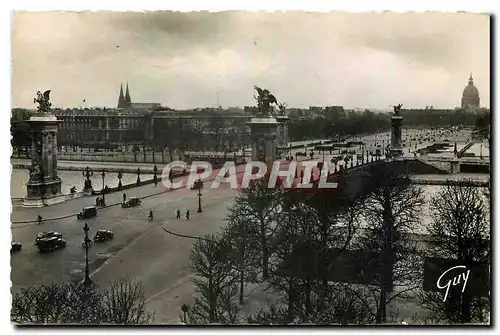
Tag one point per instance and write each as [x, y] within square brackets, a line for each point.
[20, 177]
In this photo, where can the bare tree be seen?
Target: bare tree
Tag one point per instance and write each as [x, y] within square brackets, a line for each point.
[75, 303]
[272, 315]
[243, 257]
[215, 282]
[460, 231]
[335, 221]
[258, 205]
[45, 304]
[123, 303]
[83, 304]
[313, 233]
[391, 212]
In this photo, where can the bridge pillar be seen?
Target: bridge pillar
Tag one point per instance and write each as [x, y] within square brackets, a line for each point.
[455, 166]
[263, 135]
[396, 148]
[282, 132]
[44, 186]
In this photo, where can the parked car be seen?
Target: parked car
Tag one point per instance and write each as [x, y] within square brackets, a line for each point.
[87, 213]
[46, 235]
[51, 244]
[103, 235]
[131, 202]
[15, 246]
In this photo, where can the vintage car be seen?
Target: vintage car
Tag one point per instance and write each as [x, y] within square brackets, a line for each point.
[51, 244]
[87, 213]
[46, 235]
[15, 246]
[103, 235]
[131, 202]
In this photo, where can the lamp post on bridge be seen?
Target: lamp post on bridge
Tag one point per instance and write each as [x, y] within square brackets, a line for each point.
[88, 183]
[120, 178]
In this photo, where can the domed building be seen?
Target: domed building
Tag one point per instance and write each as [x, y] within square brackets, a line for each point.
[470, 97]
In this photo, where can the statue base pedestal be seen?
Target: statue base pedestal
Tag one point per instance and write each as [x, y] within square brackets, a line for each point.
[263, 132]
[88, 191]
[41, 194]
[42, 202]
[397, 153]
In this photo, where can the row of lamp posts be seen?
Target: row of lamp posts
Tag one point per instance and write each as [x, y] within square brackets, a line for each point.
[87, 173]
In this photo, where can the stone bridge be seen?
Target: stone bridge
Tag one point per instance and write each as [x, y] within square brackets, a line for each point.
[421, 171]
[461, 164]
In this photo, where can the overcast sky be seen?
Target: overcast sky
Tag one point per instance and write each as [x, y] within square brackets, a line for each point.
[182, 60]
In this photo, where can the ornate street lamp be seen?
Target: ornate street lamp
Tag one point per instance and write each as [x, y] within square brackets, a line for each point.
[87, 174]
[199, 196]
[86, 242]
[120, 178]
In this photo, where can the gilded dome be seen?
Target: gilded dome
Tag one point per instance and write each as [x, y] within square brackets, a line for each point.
[470, 96]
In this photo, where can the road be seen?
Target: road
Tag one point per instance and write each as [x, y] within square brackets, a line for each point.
[140, 250]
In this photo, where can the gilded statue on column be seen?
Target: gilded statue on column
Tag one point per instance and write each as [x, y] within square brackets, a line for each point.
[264, 101]
[397, 109]
[43, 102]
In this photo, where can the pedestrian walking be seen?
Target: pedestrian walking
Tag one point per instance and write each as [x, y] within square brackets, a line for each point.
[178, 214]
[187, 214]
[39, 218]
[124, 197]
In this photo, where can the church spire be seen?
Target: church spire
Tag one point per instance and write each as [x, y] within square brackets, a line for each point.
[121, 98]
[471, 81]
[128, 102]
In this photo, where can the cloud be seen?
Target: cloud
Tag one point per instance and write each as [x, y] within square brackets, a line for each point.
[183, 59]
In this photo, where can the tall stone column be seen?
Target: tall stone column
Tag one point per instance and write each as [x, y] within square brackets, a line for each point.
[263, 136]
[44, 186]
[396, 132]
[282, 140]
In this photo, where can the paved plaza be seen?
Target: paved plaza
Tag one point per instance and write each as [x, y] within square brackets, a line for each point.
[140, 250]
